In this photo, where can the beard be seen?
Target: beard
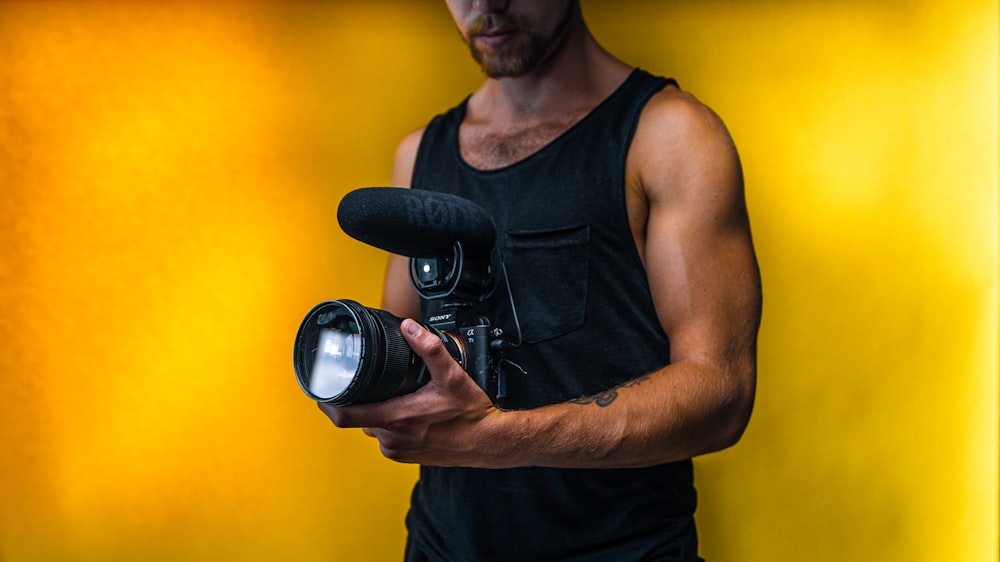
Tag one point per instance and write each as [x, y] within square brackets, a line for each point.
[523, 50]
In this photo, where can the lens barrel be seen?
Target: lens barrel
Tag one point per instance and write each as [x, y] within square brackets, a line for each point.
[346, 353]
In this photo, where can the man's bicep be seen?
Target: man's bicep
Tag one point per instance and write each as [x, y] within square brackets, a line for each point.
[699, 254]
[705, 286]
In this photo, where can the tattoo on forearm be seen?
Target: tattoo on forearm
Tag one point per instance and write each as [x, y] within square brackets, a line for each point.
[605, 398]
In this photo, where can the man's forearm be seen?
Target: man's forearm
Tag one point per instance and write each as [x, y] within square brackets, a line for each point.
[678, 412]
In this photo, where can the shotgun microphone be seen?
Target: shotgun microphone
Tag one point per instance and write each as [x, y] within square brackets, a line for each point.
[416, 223]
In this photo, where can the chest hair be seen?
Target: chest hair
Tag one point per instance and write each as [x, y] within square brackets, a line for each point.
[487, 149]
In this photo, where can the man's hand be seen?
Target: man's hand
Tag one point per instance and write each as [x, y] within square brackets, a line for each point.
[444, 423]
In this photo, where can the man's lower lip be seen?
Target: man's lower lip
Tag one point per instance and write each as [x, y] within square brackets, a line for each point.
[493, 40]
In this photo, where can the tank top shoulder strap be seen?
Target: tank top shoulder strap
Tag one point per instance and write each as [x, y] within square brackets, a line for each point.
[439, 141]
[618, 115]
[620, 109]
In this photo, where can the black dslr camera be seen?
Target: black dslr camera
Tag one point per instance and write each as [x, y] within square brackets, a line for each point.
[346, 353]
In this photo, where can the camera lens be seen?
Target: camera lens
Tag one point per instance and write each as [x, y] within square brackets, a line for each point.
[346, 353]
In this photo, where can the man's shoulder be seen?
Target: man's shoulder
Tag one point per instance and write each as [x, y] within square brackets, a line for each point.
[676, 122]
[405, 158]
[409, 146]
[411, 142]
[675, 111]
[677, 140]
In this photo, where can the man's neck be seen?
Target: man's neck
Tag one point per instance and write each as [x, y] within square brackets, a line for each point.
[573, 79]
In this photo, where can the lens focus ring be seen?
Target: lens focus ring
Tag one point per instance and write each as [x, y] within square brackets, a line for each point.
[397, 353]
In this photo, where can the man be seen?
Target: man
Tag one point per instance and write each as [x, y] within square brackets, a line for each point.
[619, 206]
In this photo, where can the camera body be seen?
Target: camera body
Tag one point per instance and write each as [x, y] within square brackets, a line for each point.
[346, 353]
[474, 344]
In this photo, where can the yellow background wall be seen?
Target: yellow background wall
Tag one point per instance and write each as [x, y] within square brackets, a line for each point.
[168, 179]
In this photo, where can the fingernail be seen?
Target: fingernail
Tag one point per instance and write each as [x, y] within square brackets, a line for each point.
[413, 329]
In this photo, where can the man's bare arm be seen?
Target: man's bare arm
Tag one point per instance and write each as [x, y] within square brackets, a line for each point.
[706, 288]
[398, 297]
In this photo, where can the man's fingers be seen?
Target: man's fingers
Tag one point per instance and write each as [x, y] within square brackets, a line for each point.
[427, 345]
[358, 415]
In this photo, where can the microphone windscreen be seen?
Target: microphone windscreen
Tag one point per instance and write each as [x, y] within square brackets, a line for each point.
[416, 223]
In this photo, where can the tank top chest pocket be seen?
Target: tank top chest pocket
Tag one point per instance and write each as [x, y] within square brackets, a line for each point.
[548, 272]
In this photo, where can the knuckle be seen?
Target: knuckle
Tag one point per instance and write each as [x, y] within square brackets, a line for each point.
[394, 454]
[439, 354]
[391, 442]
[431, 342]
[337, 415]
[435, 350]
[399, 445]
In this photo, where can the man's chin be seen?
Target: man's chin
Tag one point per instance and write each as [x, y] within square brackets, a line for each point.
[502, 68]
[502, 63]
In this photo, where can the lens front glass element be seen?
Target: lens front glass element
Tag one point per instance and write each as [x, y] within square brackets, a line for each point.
[338, 356]
[347, 354]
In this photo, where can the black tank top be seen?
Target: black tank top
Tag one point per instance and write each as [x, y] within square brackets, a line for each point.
[588, 324]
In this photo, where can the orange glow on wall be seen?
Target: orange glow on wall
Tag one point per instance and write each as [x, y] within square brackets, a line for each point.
[169, 174]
